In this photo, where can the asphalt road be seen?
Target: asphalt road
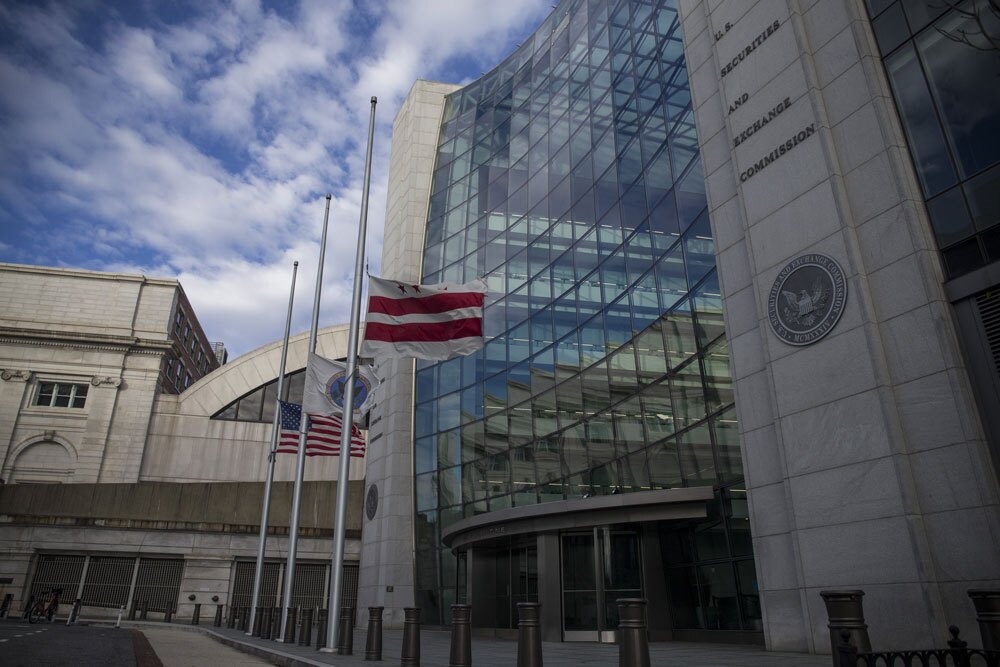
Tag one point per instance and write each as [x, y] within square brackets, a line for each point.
[44, 644]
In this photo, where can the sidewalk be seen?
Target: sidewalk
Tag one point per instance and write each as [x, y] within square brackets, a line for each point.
[435, 647]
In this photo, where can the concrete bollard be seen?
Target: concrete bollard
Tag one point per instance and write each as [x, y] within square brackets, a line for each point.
[145, 610]
[196, 616]
[345, 642]
[633, 640]
[289, 637]
[461, 637]
[74, 613]
[410, 652]
[218, 616]
[321, 629]
[305, 632]
[845, 612]
[529, 634]
[987, 605]
[373, 643]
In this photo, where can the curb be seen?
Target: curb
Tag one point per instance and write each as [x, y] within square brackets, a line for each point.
[271, 655]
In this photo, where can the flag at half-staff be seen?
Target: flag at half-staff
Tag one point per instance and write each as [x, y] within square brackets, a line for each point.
[323, 437]
[434, 322]
[326, 387]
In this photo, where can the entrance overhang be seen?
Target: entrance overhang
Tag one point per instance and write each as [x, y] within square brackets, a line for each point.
[662, 504]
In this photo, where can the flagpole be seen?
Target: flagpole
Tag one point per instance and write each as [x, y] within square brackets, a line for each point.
[293, 524]
[339, 526]
[266, 506]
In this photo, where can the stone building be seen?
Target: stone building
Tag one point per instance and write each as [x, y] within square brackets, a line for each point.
[128, 485]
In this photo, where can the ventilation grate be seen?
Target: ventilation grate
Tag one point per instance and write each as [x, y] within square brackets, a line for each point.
[988, 304]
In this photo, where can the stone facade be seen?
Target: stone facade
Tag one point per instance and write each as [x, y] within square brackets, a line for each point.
[865, 460]
[193, 484]
[387, 542]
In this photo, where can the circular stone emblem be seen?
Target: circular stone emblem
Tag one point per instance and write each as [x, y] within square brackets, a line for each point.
[807, 299]
[371, 502]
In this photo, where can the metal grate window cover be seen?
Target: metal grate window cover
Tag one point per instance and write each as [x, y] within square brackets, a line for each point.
[108, 580]
[988, 304]
[243, 584]
[349, 593]
[58, 572]
[309, 589]
[158, 582]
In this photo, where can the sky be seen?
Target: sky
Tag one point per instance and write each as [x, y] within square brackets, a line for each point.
[197, 139]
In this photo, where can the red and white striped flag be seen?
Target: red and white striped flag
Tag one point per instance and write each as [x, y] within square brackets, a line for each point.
[433, 322]
[323, 437]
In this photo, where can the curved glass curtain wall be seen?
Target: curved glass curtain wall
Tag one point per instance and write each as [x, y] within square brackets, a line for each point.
[569, 177]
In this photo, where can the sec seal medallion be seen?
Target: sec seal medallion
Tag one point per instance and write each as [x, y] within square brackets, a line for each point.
[807, 299]
[371, 502]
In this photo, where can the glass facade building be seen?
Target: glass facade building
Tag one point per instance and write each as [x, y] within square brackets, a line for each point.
[569, 177]
[943, 63]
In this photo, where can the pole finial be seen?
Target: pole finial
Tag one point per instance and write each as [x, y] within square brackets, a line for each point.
[329, 197]
[295, 263]
[374, 100]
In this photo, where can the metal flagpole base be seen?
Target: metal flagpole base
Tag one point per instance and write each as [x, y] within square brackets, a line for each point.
[327, 649]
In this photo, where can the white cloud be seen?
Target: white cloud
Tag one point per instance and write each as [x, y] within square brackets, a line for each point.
[203, 148]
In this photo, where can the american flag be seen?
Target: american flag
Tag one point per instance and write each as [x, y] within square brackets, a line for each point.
[323, 437]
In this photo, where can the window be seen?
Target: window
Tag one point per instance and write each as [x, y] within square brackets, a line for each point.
[180, 372]
[178, 321]
[187, 331]
[61, 395]
[187, 380]
[194, 344]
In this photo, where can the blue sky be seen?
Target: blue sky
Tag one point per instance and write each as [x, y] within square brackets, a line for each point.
[196, 139]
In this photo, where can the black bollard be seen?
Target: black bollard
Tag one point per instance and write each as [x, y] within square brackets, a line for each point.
[265, 622]
[168, 615]
[321, 629]
[529, 634]
[410, 653]
[28, 607]
[305, 632]
[218, 616]
[258, 622]
[845, 612]
[132, 610]
[231, 620]
[245, 619]
[461, 638]
[8, 600]
[145, 610]
[290, 626]
[846, 655]
[275, 623]
[987, 605]
[373, 643]
[633, 642]
[196, 616]
[345, 642]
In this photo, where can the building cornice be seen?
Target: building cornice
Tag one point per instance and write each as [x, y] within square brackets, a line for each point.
[84, 273]
[88, 340]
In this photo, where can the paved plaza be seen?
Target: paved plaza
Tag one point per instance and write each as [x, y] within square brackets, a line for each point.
[435, 645]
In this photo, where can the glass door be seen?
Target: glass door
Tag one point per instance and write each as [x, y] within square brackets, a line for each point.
[598, 568]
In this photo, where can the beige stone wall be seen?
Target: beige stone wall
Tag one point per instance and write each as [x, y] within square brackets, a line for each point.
[185, 444]
[104, 331]
[387, 549]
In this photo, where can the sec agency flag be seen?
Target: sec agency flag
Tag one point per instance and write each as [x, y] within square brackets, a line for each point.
[434, 322]
[326, 384]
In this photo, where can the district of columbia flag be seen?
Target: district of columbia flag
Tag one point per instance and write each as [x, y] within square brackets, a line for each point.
[322, 438]
[434, 322]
